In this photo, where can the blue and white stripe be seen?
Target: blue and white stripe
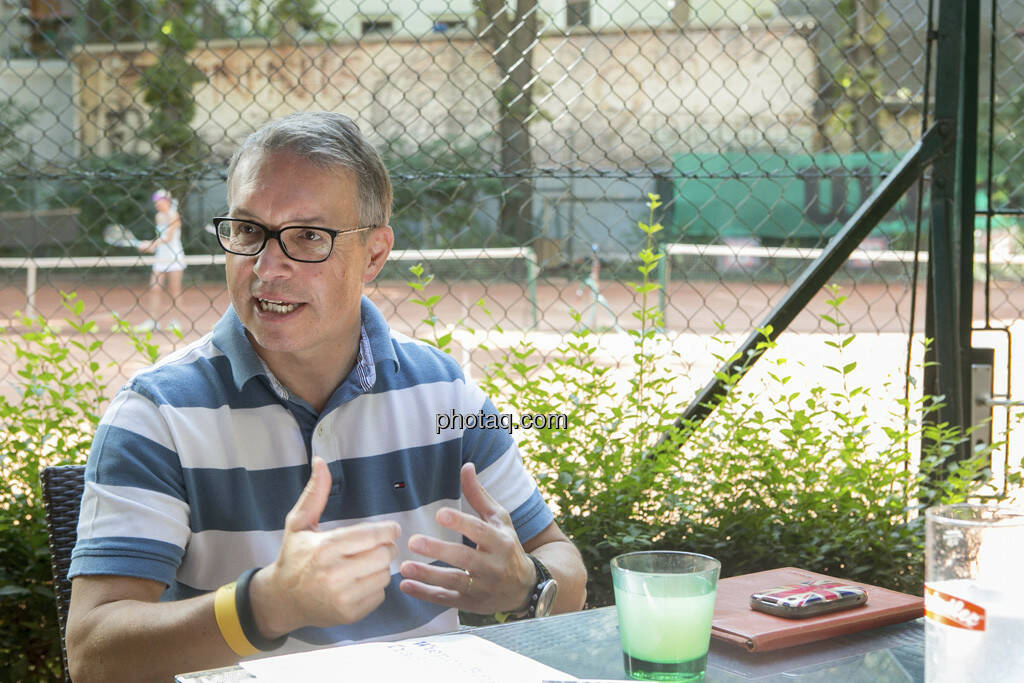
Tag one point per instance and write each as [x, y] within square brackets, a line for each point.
[198, 459]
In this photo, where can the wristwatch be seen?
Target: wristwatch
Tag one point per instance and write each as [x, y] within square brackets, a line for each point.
[542, 595]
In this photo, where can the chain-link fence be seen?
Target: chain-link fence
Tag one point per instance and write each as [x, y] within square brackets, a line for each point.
[523, 140]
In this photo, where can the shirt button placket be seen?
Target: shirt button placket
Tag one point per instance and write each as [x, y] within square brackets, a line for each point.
[318, 441]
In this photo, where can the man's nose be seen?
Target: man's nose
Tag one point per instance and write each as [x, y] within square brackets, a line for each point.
[272, 261]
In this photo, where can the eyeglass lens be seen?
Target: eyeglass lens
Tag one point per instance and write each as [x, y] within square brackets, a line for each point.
[305, 244]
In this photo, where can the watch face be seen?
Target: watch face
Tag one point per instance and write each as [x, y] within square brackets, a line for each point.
[546, 599]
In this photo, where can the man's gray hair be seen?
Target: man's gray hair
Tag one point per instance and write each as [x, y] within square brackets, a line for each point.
[334, 142]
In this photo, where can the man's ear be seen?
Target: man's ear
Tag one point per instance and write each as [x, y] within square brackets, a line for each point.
[378, 246]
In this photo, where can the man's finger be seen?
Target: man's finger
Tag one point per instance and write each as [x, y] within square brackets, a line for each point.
[372, 592]
[473, 528]
[475, 493]
[305, 514]
[455, 554]
[359, 538]
[434, 594]
[453, 579]
[370, 562]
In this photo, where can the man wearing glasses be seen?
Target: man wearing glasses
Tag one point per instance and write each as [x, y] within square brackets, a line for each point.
[279, 482]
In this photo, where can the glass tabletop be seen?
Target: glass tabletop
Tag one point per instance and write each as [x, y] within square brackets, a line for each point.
[586, 645]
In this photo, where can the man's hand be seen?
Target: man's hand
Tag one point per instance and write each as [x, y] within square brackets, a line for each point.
[496, 576]
[323, 578]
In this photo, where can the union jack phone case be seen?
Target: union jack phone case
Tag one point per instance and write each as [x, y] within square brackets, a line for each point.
[809, 599]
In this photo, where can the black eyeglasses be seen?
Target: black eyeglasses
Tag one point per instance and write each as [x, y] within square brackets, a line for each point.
[299, 243]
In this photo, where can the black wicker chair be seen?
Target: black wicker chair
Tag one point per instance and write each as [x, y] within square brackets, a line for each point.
[62, 496]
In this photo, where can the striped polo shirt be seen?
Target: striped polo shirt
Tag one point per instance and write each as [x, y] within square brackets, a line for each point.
[199, 458]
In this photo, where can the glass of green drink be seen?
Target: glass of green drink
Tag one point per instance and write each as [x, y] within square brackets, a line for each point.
[665, 600]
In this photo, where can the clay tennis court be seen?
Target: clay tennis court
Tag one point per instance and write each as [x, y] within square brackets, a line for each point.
[877, 313]
[693, 307]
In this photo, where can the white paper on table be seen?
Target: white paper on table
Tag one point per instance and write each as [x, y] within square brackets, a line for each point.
[459, 658]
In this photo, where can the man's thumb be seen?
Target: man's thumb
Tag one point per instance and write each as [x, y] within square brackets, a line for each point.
[307, 509]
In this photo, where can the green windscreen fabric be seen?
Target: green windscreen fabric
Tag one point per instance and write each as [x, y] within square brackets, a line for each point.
[777, 198]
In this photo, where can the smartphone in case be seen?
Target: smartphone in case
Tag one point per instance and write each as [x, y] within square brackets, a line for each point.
[808, 599]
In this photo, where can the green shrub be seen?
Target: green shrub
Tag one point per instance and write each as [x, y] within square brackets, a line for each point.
[776, 476]
[51, 420]
[807, 480]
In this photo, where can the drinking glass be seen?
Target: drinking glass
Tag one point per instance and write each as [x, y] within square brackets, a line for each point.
[974, 608]
[665, 601]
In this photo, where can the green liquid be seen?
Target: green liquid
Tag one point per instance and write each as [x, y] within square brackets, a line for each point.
[665, 631]
[639, 669]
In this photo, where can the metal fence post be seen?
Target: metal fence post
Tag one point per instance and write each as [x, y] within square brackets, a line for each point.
[951, 278]
[663, 267]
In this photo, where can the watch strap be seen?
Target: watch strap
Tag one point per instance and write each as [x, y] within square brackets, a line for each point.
[542, 572]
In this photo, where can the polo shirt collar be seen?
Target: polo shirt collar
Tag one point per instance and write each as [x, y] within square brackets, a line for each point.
[377, 333]
[375, 347]
[229, 337]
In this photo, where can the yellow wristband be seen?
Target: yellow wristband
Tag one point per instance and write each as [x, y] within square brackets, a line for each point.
[228, 623]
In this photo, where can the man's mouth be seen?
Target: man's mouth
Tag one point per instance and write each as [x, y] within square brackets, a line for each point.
[271, 306]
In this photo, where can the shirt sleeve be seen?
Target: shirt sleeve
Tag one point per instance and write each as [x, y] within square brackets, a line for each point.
[489, 445]
[134, 519]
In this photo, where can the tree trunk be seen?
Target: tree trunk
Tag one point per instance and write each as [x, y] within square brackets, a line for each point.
[511, 38]
[866, 134]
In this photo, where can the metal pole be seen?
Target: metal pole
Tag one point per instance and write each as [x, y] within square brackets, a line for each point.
[967, 172]
[951, 275]
[31, 282]
[663, 266]
[531, 282]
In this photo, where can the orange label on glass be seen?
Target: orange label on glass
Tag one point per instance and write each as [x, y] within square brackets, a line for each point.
[953, 611]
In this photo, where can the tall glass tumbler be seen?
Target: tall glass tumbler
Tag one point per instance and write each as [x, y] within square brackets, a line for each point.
[974, 593]
[665, 601]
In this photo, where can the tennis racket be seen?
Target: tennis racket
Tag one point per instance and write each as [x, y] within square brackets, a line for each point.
[119, 236]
